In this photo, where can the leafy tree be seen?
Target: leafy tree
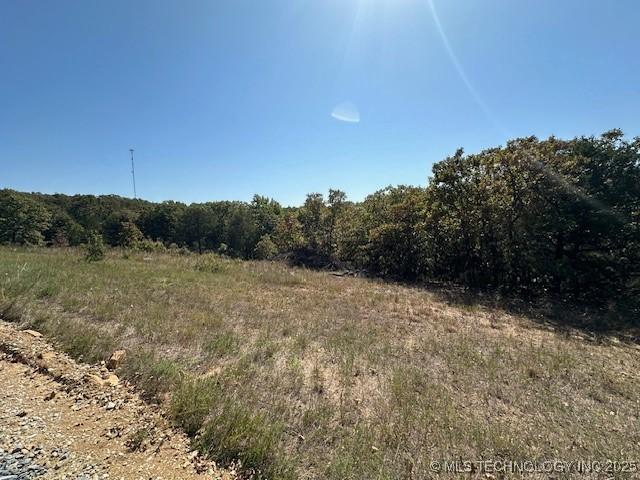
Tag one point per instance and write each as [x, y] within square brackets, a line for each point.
[266, 214]
[197, 223]
[129, 235]
[23, 220]
[539, 216]
[395, 244]
[288, 234]
[240, 231]
[162, 222]
[63, 230]
[335, 207]
[535, 216]
[265, 249]
[311, 218]
[352, 234]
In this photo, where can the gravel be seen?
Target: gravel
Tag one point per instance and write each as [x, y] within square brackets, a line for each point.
[20, 464]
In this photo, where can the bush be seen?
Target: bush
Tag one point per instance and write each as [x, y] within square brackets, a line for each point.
[212, 263]
[175, 249]
[150, 246]
[129, 235]
[95, 249]
[265, 249]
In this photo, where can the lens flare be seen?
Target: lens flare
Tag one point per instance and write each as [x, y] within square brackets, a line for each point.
[461, 71]
[346, 112]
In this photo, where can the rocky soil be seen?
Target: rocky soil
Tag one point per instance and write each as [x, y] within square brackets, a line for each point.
[61, 419]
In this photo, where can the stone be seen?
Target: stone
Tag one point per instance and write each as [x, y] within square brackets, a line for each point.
[116, 359]
[33, 333]
[48, 356]
[112, 380]
[95, 379]
[46, 360]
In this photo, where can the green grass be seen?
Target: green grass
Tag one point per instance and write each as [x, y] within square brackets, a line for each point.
[299, 374]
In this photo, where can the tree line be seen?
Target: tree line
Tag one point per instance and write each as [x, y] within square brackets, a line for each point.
[534, 216]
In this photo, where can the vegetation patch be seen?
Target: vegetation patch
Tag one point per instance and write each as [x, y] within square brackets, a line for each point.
[333, 377]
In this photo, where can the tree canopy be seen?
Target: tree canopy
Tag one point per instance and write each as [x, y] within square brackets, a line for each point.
[535, 217]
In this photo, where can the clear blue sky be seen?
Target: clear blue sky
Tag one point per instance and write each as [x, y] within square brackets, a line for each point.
[226, 98]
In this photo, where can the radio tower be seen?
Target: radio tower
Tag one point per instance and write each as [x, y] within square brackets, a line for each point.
[133, 174]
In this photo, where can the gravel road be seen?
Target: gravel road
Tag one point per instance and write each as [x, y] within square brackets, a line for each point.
[61, 419]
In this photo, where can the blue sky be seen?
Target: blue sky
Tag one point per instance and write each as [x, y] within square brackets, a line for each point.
[226, 98]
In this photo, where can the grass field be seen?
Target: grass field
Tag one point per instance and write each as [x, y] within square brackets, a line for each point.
[300, 374]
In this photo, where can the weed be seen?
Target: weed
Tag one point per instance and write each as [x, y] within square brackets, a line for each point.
[212, 263]
[234, 433]
[136, 441]
[222, 344]
[192, 401]
[154, 376]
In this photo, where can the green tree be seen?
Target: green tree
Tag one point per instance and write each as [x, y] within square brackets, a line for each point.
[352, 234]
[395, 218]
[162, 222]
[64, 230]
[266, 214]
[335, 207]
[95, 250]
[265, 249]
[311, 217]
[129, 235]
[240, 232]
[23, 220]
[197, 224]
[288, 234]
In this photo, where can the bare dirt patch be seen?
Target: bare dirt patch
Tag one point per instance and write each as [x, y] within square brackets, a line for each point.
[60, 419]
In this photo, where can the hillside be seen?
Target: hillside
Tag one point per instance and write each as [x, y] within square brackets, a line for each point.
[302, 374]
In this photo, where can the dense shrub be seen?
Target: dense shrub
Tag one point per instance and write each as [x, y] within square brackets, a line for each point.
[150, 246]
[95, 250]
[265, 248]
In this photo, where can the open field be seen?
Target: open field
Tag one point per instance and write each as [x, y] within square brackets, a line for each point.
[301, 374]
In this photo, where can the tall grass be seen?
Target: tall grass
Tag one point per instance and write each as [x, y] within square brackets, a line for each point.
[298, 374]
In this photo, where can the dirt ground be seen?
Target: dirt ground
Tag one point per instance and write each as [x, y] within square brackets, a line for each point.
[61, 419]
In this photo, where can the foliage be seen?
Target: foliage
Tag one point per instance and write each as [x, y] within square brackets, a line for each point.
[64, 231]
[129, 235]
[95, 250]
[22, 219]
[161, 222]
[212, 263]
[311, 219]
[265, 249]
[146, 245]
[337, 378]
[288, 235]
[538, 217]
[395, 244]
[534, 217]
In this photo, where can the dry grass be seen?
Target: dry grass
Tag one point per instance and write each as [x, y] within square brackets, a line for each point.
[302, 374]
